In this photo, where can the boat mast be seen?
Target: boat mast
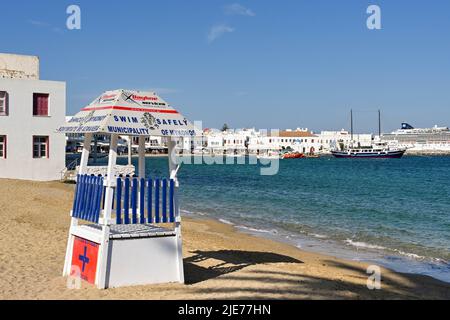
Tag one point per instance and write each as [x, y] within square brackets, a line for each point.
[351, 124]
[379, 124]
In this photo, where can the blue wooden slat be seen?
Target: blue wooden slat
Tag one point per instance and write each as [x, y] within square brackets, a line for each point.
[171, 201]
[134, 192]
[149, 200]
[157, 187]
[91, 216]
[90, 212]
[87, 199]
[81, 199]
[77, 197]
[119, 201]
[126, 202]
[142, 201]
[82, 196]
[164, 201]
[84, 203]
[91, 199]
[99, 199]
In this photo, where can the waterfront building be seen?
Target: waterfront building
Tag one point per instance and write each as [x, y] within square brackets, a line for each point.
[30, 110]
[330, 140]
[213, 142]
[235, 142]
[299, 140]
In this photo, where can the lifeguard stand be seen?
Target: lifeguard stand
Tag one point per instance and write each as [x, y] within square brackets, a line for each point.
[126, 230]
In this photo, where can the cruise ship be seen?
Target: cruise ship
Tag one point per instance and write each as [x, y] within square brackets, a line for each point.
[418, 140]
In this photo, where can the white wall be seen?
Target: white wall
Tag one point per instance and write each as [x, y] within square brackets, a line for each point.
[20, 125]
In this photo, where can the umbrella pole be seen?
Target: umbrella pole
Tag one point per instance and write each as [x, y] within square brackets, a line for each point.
[141, 163]
[129, 150]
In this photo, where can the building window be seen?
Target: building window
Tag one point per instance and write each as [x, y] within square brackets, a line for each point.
[2, 147]
[40, 147]
[40, 104]
[3, 103]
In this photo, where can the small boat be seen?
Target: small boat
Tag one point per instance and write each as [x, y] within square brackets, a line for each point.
[292, 155]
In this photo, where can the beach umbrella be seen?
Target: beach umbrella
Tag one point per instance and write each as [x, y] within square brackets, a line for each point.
[127, 112]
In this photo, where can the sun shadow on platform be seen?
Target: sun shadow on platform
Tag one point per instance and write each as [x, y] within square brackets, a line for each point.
[205, 265]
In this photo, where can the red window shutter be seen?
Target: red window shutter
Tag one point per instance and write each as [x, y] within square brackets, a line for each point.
[40, 104]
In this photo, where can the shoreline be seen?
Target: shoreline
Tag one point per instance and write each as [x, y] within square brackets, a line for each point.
[220, 261]
[393, 259]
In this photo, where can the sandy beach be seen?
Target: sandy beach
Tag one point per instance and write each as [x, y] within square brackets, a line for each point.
[220, 263]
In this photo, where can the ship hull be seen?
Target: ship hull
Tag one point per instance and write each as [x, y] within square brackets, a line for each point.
[371, 155]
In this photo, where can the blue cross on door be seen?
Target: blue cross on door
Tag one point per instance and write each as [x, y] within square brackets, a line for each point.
[84, 258]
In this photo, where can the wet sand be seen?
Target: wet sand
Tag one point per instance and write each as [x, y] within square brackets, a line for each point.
[220, 262]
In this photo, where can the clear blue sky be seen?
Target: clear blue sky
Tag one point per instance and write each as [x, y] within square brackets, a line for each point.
[268, 64]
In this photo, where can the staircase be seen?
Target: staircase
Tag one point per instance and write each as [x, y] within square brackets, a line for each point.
[69, 173]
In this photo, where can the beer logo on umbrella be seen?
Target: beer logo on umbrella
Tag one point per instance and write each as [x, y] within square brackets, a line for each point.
[149, 121]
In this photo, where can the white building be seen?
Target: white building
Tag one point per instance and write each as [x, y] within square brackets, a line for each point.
[213, 140]
[253, 142]
[299, 140]
[234, 142]
[30, 111]
[330, 140]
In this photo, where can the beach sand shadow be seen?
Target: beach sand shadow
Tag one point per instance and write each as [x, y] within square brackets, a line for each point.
[226, 261]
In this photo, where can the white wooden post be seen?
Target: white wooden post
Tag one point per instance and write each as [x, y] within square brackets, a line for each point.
[85, 153]
[141, 163]
[74, 221]
[110, 183]
[173, 169]
[129, 149]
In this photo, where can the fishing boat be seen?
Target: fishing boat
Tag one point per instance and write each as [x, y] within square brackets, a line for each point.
[378, 149]
[292, 155]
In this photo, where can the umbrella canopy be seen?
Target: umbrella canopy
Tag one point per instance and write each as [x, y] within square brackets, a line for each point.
[127, 112]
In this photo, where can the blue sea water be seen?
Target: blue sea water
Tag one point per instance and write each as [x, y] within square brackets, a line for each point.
[392, 212]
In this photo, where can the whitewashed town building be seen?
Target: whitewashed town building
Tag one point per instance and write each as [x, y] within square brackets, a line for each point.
[330, 140]
[253, 142]
[30, 111]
